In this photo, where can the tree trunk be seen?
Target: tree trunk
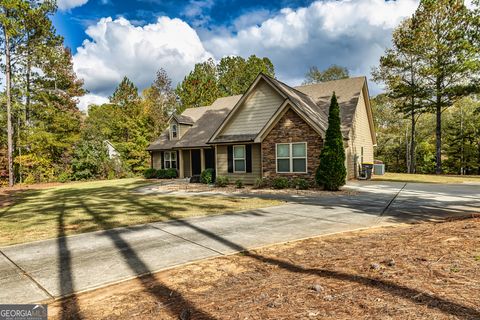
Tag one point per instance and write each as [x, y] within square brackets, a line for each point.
[438, 131]
[9, 108]
[478, 170]
[27, 98]
[438, 145]
[412, 142]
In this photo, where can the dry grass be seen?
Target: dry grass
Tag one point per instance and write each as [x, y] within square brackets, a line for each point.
[427, 178]
[42, 213]
[425, 271]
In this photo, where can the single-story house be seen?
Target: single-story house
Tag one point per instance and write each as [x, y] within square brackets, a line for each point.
[272, 130]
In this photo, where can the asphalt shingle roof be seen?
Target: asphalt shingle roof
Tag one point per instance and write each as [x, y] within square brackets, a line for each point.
[313, 100]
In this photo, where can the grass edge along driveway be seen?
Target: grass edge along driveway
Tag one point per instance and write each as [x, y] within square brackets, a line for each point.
[76, 208]
[427, 178]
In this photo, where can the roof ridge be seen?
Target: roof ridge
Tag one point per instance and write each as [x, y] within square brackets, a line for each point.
[320, 83]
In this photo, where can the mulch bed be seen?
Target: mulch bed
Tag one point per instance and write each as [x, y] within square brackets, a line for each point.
[423, 271]
[175, 186]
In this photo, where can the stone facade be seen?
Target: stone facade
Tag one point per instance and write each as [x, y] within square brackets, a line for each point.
[291, 128]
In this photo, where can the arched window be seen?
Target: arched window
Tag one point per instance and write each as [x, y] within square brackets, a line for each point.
[174, 130]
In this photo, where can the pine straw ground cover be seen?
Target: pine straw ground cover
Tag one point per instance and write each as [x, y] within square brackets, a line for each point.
[423, 271]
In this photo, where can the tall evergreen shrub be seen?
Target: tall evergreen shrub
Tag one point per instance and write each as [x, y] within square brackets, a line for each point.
[331, 172]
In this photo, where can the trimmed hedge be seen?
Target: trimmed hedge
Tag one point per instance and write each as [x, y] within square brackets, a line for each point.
[160, 174]
[150, 173]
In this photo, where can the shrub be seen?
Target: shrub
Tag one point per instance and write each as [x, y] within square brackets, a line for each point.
[280, 183]
[331, 172]
[222, 181]
[207, 176]
[301, 184]
[260, 183]
[150, 173]
[161, 174]
[64, 177]
[171, 173]
[239, 184]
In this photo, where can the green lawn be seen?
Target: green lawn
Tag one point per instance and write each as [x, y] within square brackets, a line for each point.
[426, 178]
[89, 206]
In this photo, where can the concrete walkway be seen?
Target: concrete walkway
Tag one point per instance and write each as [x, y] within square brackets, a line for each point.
[45, 270]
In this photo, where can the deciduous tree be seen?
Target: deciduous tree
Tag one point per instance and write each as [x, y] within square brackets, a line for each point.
[334, 72]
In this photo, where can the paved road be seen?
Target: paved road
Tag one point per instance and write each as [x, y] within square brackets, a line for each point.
[49, 269]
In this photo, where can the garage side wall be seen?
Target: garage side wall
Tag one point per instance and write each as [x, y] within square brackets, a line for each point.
[361, 138]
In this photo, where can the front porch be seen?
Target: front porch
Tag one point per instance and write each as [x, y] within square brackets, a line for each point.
[188, 162]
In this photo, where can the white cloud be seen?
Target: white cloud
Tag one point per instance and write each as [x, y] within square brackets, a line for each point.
[117, 49]
[65, 5]
[197, 11]
[350, 33]
[89, 99]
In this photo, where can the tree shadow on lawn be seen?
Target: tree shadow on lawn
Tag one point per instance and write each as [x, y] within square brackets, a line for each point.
[36, 212]
[177, 305]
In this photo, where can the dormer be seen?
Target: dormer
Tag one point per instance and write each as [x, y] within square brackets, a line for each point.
[179, 125]
[173, 130]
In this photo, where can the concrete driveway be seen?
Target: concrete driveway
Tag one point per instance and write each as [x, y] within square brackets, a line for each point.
[54, 268]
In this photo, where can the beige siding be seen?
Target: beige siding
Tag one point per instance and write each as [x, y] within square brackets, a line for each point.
[186, 163]
[255, 111]
[361, 136]
[247, 178]
[157, 160]
[183, 128]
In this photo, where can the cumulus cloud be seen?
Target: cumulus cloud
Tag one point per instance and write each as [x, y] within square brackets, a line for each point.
[85, 101]
[65, 5]
[117, 48]
[349, 33]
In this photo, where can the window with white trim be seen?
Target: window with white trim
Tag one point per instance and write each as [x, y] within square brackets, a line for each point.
[239, 164]
[173, 130]
[170, 159]
[291, 157]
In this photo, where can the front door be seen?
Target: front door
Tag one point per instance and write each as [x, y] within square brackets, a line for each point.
[209, 158]
[196, 162]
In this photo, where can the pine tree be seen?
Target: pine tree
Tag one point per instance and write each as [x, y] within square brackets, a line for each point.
[399, 70]
[332, 172]
[449, 57]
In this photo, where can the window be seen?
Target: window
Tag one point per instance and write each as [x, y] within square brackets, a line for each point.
[170, 159]
[292, 157]
[173, 128]
[239, 159]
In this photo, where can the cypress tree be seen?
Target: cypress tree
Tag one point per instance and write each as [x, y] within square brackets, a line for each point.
[331, 172]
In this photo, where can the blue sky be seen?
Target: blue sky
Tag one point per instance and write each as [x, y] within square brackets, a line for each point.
[71, 23]
[112, 38]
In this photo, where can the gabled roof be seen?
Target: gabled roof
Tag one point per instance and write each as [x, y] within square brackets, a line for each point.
[183, 119]
[311, 102]
[348, 92]
[304, 104]
[207, 120]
